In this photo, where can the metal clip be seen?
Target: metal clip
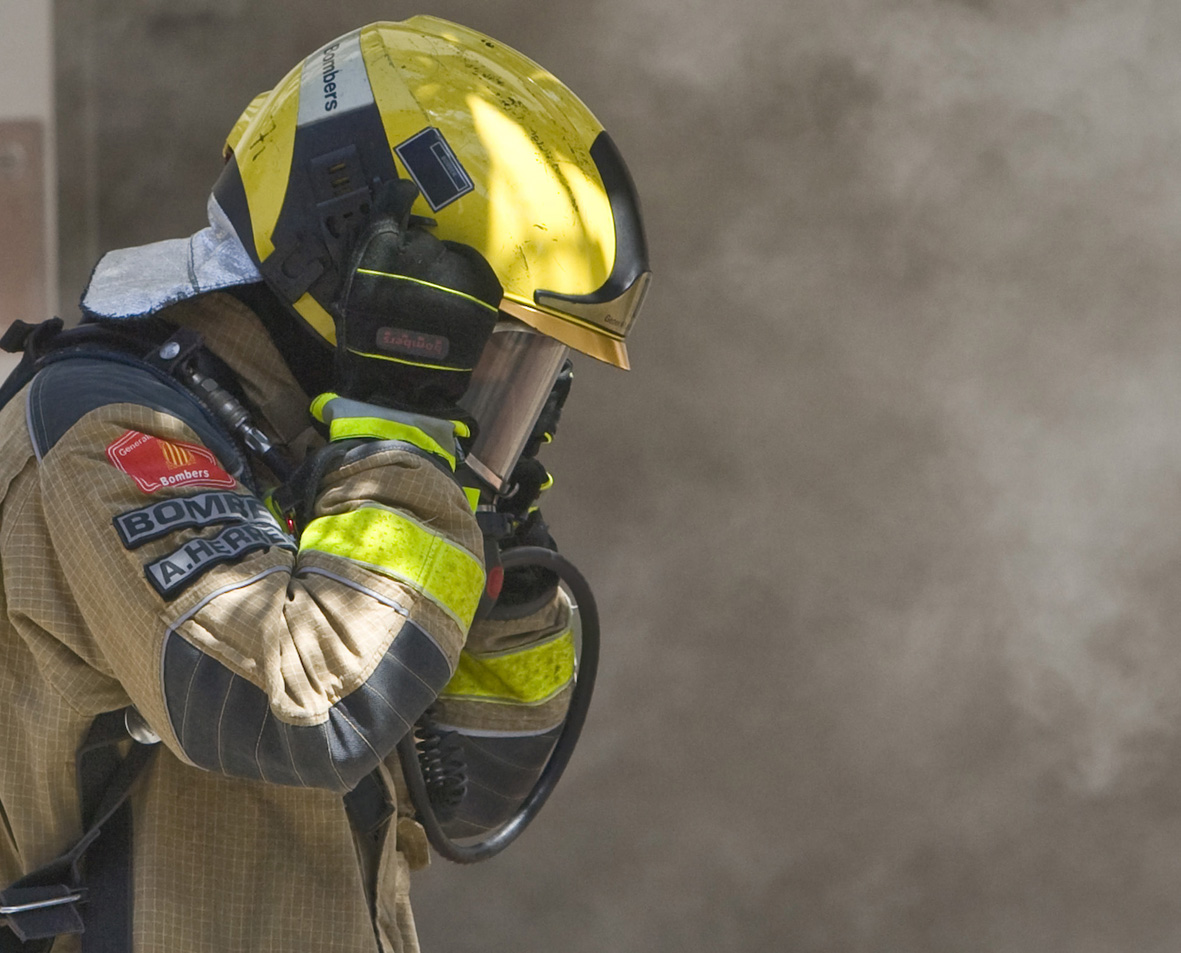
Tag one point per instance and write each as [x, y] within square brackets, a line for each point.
[41, 904]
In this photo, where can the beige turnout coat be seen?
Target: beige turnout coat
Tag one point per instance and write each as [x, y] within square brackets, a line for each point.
[277, 672]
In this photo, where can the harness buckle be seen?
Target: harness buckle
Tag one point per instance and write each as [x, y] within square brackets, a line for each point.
[37, 913]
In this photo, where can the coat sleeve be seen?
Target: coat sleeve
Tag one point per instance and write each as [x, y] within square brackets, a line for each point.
[248, 651]
[505, 708]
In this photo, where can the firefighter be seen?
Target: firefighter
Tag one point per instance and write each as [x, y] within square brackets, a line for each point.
[239, 535]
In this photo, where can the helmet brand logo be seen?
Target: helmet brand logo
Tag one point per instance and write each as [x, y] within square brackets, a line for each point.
[414, 343]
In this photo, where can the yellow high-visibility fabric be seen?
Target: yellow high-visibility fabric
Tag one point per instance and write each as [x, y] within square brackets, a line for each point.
[403, 549]
[473, 496]
[527, 676]
[382, 429]
[346, 423]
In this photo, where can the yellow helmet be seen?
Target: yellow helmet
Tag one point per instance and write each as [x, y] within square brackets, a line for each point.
[506, 159]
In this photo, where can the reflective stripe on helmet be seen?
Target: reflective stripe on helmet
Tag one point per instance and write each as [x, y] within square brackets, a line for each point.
[334, 80]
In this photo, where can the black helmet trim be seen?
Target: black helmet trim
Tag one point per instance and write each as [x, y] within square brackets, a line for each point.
[613, 305]
[312, 238]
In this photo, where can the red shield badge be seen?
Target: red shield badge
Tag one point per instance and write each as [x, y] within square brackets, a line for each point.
[154, 463]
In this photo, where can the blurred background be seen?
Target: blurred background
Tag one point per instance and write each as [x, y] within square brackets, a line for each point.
[885, 525]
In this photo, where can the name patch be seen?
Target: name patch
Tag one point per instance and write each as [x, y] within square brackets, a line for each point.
[172, 574]
[142, 525]
[155, 464]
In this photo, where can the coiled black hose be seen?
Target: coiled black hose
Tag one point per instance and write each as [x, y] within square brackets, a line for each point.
[441, 761]
[580, 699]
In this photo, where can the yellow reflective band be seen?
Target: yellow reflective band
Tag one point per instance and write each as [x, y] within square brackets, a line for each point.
[398, 547]
[318, 405]
[473, 496]
[427, 284]
[348, 421]
[345, 428]
[527, 677]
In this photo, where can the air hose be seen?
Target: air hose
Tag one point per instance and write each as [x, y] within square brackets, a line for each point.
[416, 747]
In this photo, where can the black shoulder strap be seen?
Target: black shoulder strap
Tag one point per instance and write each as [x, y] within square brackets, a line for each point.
[36, 342]
[138, 355]
[46, 903]
[31, 339]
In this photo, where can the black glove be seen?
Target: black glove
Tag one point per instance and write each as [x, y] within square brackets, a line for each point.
[414, 313]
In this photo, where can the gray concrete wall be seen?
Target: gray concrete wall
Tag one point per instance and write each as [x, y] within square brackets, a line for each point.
[885, 522]
[28, 208]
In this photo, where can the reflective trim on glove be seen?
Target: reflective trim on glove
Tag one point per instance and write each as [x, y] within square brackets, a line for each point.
[348, 419]
[391, 543]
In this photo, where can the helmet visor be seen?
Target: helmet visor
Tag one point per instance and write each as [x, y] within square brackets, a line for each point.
[509, 388]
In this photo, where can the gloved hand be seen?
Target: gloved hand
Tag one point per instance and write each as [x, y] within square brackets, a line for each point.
[356, 429]
[414, 313]
[350, 420]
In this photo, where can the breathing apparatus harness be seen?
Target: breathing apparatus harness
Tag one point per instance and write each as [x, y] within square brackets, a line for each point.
[44, 903]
